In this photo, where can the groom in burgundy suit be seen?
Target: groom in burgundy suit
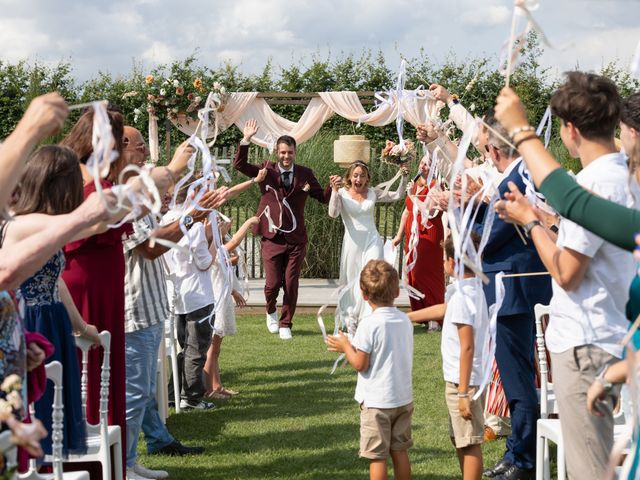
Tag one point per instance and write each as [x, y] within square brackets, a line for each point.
[283, 248]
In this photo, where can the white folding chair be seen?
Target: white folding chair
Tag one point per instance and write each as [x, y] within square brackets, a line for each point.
[548, 429]
[171, 349]
[102, 437]
[54, 373]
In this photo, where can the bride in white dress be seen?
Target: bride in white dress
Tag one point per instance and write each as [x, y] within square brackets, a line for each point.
[355, 203]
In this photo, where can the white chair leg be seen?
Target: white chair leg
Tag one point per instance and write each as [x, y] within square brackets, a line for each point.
[547, 461]
[161, 384]
[540, 444]
[173, 351]
[117, 461]
[562, 467]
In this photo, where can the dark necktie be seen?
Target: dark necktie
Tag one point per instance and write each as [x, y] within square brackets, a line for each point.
[286, 180]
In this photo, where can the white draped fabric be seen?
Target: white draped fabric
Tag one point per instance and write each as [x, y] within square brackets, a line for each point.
[415, 107]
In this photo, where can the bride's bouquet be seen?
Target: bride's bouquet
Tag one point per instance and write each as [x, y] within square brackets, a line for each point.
[398, 154]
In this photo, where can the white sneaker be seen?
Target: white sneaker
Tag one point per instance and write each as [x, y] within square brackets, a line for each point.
[132, 475]
[272, 322]
[148, 473]
[285, 333]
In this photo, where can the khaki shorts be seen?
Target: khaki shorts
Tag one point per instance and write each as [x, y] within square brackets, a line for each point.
[384, 429]
[465, 432]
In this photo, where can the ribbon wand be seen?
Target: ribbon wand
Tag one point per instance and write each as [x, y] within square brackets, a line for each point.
[511, 45]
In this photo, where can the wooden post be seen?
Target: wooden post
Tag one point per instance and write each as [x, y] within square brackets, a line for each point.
[167, 139]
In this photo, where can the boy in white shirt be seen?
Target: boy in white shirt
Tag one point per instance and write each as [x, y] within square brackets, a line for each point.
[382, 353]
[464, 336]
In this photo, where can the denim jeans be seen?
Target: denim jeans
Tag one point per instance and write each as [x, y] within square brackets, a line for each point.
[141, 356]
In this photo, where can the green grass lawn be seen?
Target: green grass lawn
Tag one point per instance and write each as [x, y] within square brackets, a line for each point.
[293, 420]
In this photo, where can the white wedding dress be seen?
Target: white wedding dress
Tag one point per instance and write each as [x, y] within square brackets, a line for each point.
[361, 243]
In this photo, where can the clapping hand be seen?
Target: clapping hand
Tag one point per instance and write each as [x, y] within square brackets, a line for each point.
[515, 208]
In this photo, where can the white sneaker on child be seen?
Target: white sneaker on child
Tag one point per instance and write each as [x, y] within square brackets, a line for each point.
[148, 473]
[272, 322]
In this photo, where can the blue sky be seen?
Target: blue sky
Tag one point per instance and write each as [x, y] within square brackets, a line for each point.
[109, 35]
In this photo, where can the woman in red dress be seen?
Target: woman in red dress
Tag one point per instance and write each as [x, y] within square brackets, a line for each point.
[427, 274]
[94, 275]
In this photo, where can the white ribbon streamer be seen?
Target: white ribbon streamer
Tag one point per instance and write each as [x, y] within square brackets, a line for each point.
[489, 349]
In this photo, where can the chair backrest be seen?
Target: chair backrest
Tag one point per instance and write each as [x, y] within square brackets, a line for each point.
[54, 373]
[540, 312]
[84, 345]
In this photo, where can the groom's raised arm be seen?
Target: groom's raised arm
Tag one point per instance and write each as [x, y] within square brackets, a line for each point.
[241, 159]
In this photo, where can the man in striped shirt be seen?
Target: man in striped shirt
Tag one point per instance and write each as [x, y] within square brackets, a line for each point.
[146, 308]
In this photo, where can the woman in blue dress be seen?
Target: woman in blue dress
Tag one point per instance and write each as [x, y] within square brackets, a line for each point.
[52, 185]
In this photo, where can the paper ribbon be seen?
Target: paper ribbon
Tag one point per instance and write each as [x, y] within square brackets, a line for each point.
[283, 205]
[635, 63]
[489, 349]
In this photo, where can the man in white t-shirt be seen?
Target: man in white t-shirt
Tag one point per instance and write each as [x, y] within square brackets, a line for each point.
[591, 277]
[382, 353]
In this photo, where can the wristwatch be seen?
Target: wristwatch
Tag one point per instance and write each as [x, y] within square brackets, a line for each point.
[188, 221]
[606, 385]
[530, 226]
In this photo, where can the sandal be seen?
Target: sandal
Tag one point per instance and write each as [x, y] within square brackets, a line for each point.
[218, 395]
[228, 391]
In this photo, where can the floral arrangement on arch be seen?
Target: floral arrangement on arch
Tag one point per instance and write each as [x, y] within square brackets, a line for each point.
[177, 97]
[398, 154]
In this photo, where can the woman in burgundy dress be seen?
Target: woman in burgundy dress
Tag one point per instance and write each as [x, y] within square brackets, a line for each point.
[94, 275]
[427, 275]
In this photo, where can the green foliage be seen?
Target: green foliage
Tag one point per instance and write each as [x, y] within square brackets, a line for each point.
[21, 82]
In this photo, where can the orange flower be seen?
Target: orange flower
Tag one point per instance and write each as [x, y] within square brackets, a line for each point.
[179, 91]
[197, 83]
[148, 79]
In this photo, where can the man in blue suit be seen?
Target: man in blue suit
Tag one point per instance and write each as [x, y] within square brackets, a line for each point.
[506, 251]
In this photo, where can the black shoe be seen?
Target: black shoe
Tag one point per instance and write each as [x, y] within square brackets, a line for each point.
[499, 468]
[515, 473]
[176, 448]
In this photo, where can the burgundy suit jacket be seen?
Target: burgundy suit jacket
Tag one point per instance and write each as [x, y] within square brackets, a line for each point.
[296, 196]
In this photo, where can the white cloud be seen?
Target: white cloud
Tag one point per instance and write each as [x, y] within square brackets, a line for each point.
[486, 16]
[101, 35]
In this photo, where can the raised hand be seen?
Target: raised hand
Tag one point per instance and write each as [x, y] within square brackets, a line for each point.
[250, 129]
[440, 93]
[509, 110]
[181, 158]
[45, 116]
[427, 132]
[335, 181]
[262, 174]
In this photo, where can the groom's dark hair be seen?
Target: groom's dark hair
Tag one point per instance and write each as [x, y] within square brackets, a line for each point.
[287, 140]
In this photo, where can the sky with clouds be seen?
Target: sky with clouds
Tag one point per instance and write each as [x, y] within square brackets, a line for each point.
[108, 35]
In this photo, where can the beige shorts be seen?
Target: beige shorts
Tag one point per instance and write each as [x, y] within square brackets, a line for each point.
[465, 432]
[384, 429]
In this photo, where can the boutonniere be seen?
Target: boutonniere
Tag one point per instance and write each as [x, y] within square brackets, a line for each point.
[306, 187]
